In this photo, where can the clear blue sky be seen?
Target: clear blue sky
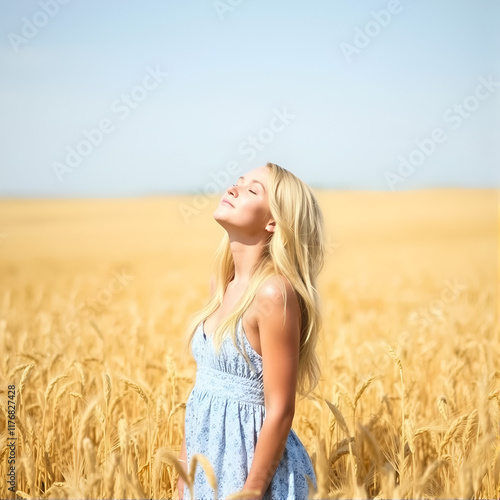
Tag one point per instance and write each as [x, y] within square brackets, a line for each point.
[338, 92]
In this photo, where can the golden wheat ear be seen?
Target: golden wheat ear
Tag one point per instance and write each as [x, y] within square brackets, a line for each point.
[207, 467]
[243, 494]
[163, 455]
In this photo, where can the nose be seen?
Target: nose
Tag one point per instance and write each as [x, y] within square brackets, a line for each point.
[233, 190]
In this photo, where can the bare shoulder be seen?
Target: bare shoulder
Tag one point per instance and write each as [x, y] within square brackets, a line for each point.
[271, 288]
[269, 297]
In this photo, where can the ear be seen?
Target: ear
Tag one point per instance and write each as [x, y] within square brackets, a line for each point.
[271, 226]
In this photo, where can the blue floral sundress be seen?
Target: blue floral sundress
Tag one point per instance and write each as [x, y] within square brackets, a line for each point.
[224, 414]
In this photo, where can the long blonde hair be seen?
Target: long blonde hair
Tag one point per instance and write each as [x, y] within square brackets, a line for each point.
[296, 250]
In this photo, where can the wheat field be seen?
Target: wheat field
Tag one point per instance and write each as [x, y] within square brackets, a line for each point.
[95, 296]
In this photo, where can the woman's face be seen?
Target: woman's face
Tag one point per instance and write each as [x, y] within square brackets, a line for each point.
[245, 207]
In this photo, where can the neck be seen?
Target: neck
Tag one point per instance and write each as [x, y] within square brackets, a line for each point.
[245, 256]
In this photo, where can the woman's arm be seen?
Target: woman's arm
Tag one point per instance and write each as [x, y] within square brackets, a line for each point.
[280, 343]
[183, 453]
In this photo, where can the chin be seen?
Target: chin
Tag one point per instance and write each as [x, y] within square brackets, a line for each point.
[219, 217]
[216, 214]
[221, 212]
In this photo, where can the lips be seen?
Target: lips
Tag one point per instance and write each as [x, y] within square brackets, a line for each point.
[227, 202]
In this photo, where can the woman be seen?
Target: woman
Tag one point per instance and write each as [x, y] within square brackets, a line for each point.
[254, 341]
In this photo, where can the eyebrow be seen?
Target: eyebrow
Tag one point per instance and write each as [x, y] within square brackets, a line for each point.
[253, 180]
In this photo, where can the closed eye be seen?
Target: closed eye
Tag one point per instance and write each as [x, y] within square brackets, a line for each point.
[252, 191]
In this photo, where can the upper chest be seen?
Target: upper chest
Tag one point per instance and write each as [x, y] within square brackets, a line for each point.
[248, 321]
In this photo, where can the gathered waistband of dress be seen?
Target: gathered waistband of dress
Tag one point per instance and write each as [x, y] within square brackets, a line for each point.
[229, 385]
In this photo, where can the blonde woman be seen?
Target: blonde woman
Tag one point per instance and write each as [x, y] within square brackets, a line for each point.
[254, 341]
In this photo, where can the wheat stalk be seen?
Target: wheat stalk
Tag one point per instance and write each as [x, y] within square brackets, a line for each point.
[116, 401]
[136, 388]
[362, 389]
[51, 386]
[470, 429]
[443, 408]
[164, 455]
[394, 356]
[24, 377]
[339, 417]
[77, 395]
[107, 389]
[85, 421]
[209, 472]
[357, 396]
[123, 434]
[243, 493]
[109, 478]
[450, 432]
[100, 414]
[421, 431]
[17, 369]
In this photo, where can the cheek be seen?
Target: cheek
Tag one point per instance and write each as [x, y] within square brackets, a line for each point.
[253, 211]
